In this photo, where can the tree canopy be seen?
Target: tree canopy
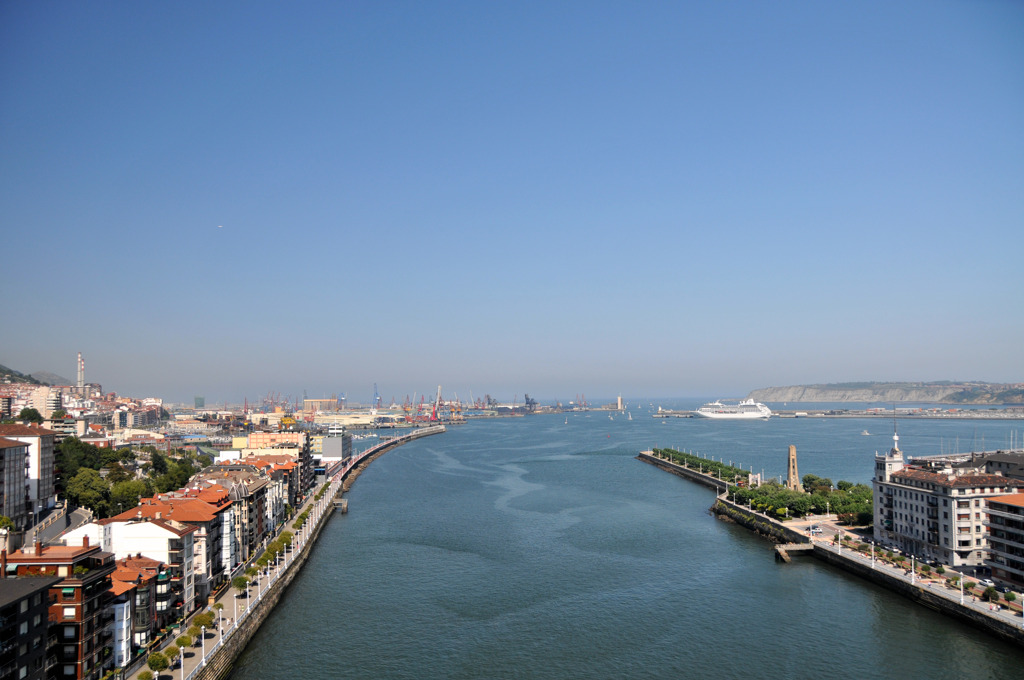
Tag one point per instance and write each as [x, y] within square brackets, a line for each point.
[31, 415]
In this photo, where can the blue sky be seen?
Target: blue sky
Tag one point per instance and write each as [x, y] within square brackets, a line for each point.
[646, 198]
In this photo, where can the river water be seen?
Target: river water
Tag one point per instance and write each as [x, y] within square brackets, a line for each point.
[538, 549]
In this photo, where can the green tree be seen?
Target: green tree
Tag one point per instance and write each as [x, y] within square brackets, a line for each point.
[171, 651]
[89, 490]
[31, 415]
[145, 675]
[195, 631]
[59, 414]
[6, 522]
[116, 473]
[184, 641]
[125, 495]
[70, 456]
[241, 584]
[157, 662]
[159, 463]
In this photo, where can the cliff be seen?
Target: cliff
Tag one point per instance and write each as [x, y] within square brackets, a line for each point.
[937, 393]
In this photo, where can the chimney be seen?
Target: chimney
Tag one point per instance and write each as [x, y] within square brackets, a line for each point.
[85, 541]
[3, 563]
[39, 547]
[159, 515]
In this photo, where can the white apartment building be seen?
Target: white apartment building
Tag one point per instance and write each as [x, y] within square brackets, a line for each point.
[166, 541]
[40, 442]
[935, 514]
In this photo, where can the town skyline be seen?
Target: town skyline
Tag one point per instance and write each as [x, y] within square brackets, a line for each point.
[662, 200]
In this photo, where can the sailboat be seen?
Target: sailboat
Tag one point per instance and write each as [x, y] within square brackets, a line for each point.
[630, 416]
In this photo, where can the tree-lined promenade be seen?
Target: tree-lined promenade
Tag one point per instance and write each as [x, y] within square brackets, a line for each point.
[189, 654]
[851, 502]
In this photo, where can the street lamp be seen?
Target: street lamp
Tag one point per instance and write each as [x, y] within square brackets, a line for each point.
[202, 636]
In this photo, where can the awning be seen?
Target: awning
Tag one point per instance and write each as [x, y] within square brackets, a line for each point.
[67, 591]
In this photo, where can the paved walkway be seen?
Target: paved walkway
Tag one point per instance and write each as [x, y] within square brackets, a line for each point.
[937, 585]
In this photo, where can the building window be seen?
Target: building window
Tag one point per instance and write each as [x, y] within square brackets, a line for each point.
[69, 612]
[69, 631]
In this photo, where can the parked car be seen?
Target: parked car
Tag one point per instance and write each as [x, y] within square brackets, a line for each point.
[815, 529]
[986, 582]
[1003, 589]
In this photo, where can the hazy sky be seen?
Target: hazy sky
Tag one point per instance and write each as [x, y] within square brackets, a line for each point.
[646, 198]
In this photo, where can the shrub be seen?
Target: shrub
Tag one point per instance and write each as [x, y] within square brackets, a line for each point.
[184, 641]
[145, 675]
[1010, 596]
[940, 569]
[969, 585]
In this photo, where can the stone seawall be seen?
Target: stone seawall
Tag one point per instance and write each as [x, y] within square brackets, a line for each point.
[758, 522]
[933, 596]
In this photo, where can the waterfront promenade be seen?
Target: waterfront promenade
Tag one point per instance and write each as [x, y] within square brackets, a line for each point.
[212, 654]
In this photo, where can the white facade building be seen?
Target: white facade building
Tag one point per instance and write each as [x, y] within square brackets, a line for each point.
[934, 514]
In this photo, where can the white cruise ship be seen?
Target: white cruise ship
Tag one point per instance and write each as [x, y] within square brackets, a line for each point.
[744, 410]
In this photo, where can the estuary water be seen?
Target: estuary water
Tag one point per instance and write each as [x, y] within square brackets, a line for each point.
[538, 549]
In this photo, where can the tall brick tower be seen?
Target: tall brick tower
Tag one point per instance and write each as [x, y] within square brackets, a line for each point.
[793, 477]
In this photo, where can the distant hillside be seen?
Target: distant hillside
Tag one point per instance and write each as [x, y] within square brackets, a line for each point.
[10, 375]
[943, 392]
[50, 378]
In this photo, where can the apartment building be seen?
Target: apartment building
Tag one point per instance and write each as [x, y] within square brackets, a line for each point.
[79, 605]
[935, 514]
[169, 542]
[40, 442]
[15, 499]
[24, 626]
[1006, 540]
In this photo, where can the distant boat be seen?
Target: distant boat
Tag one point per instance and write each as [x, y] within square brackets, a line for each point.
[630, 416]
[865, 432]
[610, 417]
[567, 420]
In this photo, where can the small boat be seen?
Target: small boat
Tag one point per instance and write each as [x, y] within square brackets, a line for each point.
[865, 433]
[567, 420]
[629, 416]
